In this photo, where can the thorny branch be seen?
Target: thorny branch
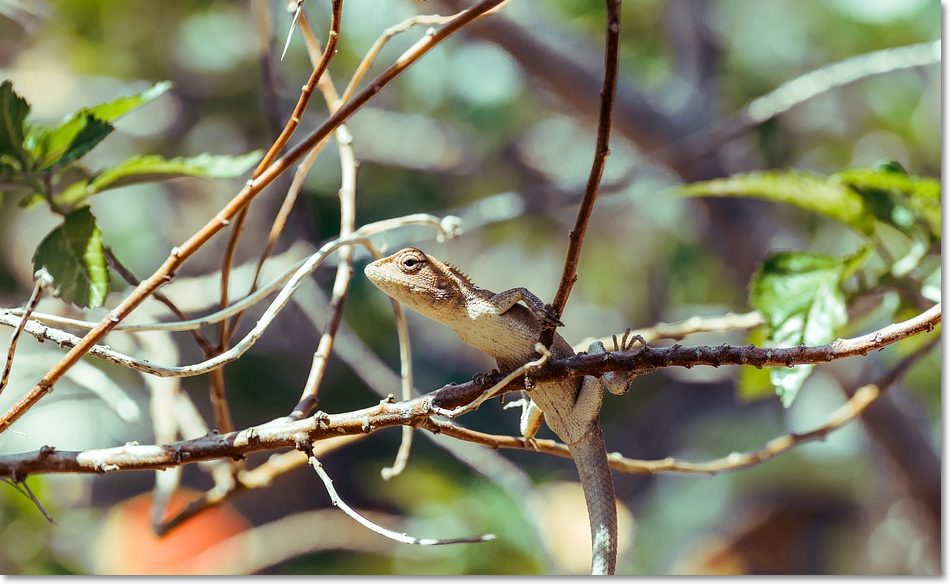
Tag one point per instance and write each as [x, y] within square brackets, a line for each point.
[856, 405]
[281, 434]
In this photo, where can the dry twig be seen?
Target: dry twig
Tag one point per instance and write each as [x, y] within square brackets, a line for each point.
[43, 279]
[601, 151]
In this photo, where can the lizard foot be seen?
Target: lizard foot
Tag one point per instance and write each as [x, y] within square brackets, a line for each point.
[549, 317]
[628, 341]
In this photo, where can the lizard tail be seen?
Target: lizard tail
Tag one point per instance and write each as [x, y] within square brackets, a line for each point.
[590, 456]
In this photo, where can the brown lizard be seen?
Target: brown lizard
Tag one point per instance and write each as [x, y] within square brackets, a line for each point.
[499, 326]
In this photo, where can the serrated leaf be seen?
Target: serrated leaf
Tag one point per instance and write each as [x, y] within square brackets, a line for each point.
[800, 296]
[897, 198]
[67, 142]
[151, 168]
[113, 110]
[81, 131]
[73, 255]
[13, 112]
[810, 192]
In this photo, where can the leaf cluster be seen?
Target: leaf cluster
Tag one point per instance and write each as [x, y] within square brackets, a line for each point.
[44, 163]
[802, 295]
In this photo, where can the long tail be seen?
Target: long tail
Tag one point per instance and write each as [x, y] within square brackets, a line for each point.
[590, 456]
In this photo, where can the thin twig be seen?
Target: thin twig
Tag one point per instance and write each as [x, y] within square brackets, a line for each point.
[245, 480]
[293, 123]
[446, 227]
[344, 270]
[43, 279]
[601, 151]
[296, 185]
[405, 381]
[395, 536]
[131, 280]
[499, 385]
[293, 23]
[388, 34]
[24, 489]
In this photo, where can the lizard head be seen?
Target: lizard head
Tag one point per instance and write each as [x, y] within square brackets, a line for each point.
[419, 281]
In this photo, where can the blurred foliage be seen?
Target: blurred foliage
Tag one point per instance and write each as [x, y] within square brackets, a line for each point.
[469, 130]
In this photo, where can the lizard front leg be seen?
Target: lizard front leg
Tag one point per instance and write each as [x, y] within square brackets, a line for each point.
[503, 301]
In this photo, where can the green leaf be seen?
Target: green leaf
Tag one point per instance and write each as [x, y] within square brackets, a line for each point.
[151, 168]
[13, 112]
[800, 296]
[810, 192]
[897, 198]
[113, 110]
[74, 257]
[67, 142]
[81, 131]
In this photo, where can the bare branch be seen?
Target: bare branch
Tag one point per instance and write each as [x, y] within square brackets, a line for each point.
[344, 270]
[42, 280]
[242, 199]
[601, 151]
[395, 536]
[651, 358]
[25, 490]
[860, 400]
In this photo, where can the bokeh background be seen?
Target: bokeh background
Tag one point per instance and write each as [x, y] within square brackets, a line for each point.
[486, 126]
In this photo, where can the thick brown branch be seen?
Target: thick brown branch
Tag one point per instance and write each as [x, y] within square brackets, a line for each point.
[651, 358]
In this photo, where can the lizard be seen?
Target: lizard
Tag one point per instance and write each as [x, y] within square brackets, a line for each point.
[506, 326]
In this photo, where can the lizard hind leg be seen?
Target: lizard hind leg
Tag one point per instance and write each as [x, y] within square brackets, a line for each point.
[531, 418]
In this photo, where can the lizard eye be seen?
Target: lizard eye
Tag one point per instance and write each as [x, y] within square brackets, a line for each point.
[411, 263]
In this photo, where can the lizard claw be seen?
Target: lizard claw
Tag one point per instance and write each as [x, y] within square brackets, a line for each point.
[549, 317]
[482, 379]
[628, 341]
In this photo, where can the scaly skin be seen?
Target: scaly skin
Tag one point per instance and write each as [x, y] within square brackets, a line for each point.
[498, 326]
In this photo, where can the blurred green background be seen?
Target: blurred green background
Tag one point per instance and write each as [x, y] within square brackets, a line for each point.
[477, 127]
